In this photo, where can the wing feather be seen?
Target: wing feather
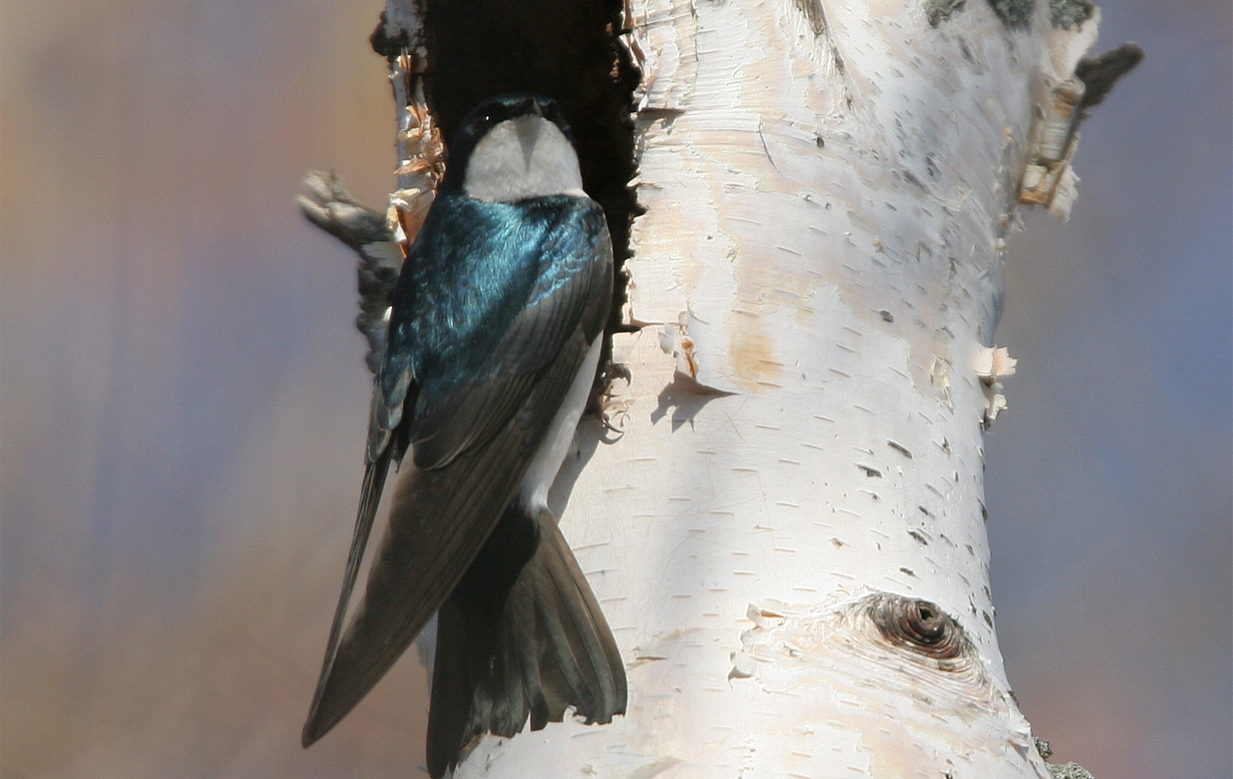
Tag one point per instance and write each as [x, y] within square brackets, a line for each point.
[370, 496]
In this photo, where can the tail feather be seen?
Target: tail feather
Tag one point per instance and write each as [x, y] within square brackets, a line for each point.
[503, 709]
[550, 649]
[582, 647]
[462, 648]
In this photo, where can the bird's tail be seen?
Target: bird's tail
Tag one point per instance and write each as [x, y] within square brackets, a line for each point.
[541, 649]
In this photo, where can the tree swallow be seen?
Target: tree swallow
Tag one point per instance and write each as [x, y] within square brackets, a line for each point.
[491, 352]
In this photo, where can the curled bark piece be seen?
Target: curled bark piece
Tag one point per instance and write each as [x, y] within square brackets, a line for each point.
[331, 206]
[386, 43]
[1099, 74]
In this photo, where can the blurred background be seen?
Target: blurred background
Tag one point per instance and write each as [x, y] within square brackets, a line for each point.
[183, 399]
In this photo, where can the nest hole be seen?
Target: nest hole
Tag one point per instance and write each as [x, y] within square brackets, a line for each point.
[569, 50]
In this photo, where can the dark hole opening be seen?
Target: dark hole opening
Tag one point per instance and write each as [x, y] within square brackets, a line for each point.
[566, 49]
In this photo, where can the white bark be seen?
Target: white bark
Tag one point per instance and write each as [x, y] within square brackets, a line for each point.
[818, 277]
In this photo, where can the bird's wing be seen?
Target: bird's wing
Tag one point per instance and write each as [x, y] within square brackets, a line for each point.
[472, 441]
[571, 291]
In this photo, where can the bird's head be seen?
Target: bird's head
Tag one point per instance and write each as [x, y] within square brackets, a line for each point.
[512, 147]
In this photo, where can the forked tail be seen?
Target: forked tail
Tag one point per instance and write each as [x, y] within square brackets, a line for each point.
[531, 648]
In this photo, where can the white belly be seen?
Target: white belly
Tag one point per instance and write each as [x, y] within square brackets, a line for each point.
[546, 463]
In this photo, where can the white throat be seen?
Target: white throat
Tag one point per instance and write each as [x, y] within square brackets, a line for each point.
[523, 158]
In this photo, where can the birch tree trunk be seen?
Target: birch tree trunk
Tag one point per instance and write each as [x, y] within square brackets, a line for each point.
[786, 529]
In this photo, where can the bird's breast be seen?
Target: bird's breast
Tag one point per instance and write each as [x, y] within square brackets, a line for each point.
[546, 463]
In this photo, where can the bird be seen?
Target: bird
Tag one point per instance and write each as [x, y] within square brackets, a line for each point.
[494, 335]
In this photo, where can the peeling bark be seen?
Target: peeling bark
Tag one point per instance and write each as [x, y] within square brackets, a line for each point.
[783, 516]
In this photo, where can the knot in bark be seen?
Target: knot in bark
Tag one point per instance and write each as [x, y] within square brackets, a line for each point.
[918, 625]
